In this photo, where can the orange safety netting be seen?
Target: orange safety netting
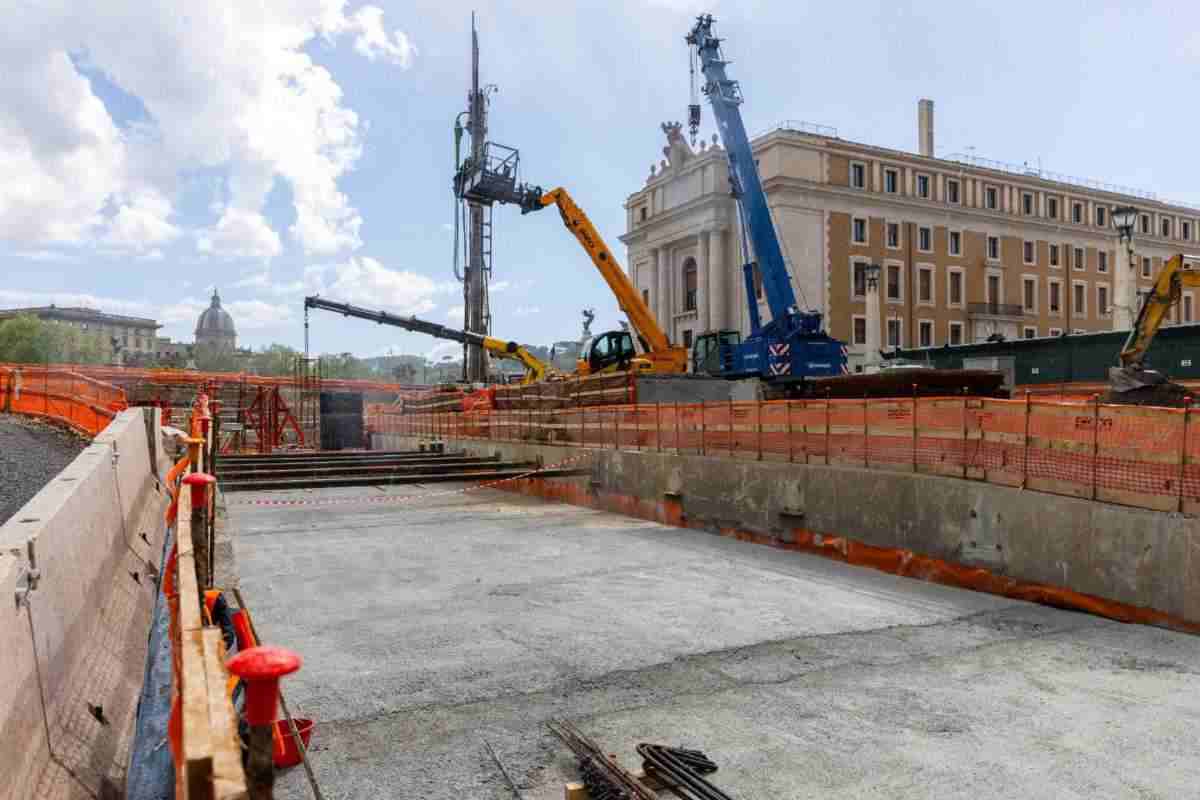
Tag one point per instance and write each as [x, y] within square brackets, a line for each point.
[85, 404]
[1133, 455]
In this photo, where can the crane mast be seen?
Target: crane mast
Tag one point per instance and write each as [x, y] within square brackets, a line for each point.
[725, 96]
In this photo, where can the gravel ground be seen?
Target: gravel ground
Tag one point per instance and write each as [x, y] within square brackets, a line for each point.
[31, 453]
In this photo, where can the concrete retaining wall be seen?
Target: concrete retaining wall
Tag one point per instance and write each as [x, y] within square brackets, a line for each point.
[72, 660]
[1141, 558]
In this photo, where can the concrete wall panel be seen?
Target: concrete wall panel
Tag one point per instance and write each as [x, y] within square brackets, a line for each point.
[1133, 556]
[90, 612]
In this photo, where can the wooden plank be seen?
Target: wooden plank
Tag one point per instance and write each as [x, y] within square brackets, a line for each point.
[197, 747]
[229, 780]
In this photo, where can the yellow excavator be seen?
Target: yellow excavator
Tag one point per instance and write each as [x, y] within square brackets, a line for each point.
[613, 351]
[535, 369]
[1131, 381]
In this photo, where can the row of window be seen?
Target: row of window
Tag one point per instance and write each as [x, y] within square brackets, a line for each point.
[1168, 227]
[926, 332]
[893, 289]
[894, 332]
[859, 235]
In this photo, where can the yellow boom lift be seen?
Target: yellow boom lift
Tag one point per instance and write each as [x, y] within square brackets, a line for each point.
[1132, 375]
[613, 351]
[535, 369]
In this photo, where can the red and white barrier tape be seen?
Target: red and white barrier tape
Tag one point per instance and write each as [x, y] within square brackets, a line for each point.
[401, 498]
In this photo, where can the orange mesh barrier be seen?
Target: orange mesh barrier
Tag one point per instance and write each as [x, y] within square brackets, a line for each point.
[85, 404]
[1133, 455]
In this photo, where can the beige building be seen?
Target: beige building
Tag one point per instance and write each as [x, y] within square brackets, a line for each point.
[112, 334]
[967, 248]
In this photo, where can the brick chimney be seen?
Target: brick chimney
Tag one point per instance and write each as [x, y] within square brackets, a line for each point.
[925, 126]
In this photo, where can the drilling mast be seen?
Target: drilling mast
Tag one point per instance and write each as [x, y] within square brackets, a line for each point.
[478, 268]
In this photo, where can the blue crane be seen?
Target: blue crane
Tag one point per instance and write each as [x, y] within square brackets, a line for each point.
[792, 346]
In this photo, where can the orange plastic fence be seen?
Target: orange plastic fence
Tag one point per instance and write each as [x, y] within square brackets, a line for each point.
[1138, 456]
[191, 377]
[85, 404]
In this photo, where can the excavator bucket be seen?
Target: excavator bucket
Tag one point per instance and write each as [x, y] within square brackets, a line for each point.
[1136, 386]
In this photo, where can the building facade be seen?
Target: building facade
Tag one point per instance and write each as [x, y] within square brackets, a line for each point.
[966, 248]
[113, 336]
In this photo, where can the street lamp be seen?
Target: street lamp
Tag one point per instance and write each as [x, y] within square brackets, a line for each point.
[1123, 219]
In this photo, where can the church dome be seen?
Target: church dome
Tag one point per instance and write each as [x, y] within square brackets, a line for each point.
[215, 325]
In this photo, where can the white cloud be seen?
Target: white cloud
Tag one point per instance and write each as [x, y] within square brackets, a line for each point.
[455, 313]
[141, 223]
[45, 255]
[525, 311]
[252, 315]
[364, 281]
[373, 42]
[238, 94]
[240, 234]
[442, 349]
[257, 280]
[19, 299]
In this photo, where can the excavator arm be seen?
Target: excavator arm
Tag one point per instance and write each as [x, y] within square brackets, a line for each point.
[664, 356]
[1167, 291]
[535, 368]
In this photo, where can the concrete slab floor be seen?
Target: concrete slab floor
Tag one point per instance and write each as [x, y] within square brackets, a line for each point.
[430, 626]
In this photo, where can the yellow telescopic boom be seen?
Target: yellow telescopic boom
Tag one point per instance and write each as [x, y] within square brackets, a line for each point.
[663, 356]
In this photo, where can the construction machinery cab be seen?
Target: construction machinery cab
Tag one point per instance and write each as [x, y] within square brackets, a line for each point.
[608, 352]
[712, 353]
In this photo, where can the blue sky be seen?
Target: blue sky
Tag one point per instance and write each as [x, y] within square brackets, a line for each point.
[307, 144]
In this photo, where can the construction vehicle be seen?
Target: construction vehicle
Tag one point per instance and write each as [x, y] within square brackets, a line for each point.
[1132, 381]
[613, 350]
[793, 346]
[535, 369]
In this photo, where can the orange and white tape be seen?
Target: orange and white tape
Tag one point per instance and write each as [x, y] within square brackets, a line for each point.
[400, 498]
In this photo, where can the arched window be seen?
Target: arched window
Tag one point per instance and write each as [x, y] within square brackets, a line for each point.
[689, 285]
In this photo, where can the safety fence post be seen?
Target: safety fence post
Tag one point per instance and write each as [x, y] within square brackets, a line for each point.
[730, 427]
[703, 428]
[676, 427]
[658, 424]
[791, 450]
[963, 454]
[199, 483]
[827, 427]
[758, 422]
[1183, 451]
[914, 429]
[866, 435]
[1025, 467]
[1095, 442]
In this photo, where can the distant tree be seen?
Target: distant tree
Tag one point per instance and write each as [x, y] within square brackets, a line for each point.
[277, 359]
[212, 358]
[24, 340]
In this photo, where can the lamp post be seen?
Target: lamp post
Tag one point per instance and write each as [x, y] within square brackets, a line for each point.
[1124, 277]
[874, 316]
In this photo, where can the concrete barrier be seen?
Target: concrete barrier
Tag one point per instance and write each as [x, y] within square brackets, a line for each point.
[1145, 559]
[72, 655]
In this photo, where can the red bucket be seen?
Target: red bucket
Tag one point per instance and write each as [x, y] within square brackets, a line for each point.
[284, 752]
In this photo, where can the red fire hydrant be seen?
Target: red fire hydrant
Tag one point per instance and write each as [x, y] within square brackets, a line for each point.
[260, 668]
